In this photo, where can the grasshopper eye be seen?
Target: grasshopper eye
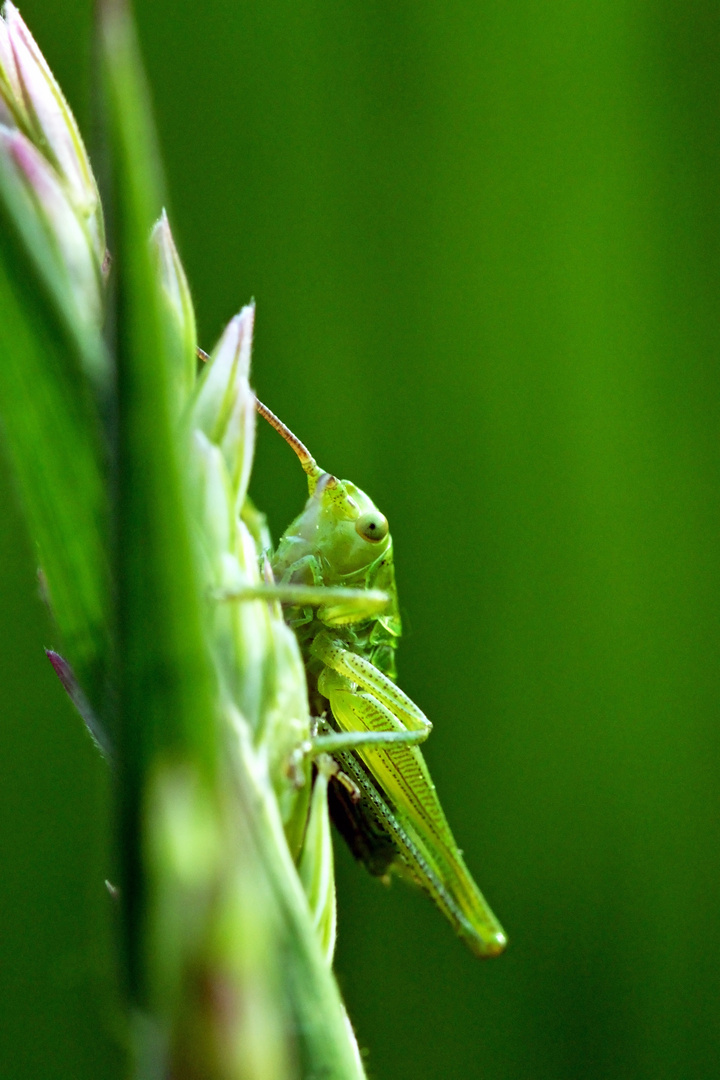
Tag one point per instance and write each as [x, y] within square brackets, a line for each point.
[372, 526]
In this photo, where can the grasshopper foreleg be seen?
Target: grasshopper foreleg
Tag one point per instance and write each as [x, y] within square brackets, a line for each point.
[366, 601]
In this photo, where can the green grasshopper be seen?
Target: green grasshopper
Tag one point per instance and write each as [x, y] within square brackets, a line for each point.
[334, 572]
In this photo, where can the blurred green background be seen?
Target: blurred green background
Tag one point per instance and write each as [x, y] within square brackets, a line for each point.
[484, 240]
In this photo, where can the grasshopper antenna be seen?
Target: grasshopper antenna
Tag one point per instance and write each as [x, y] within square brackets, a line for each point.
[310, 466]
[307, 461]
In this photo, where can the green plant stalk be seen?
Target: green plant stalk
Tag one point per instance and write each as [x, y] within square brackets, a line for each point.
[168, 711]
[166, 706]
[205, 704]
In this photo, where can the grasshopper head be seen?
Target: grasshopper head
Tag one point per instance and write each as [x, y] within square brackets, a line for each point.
[340, 527]
[344, 529]
[342, 533]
